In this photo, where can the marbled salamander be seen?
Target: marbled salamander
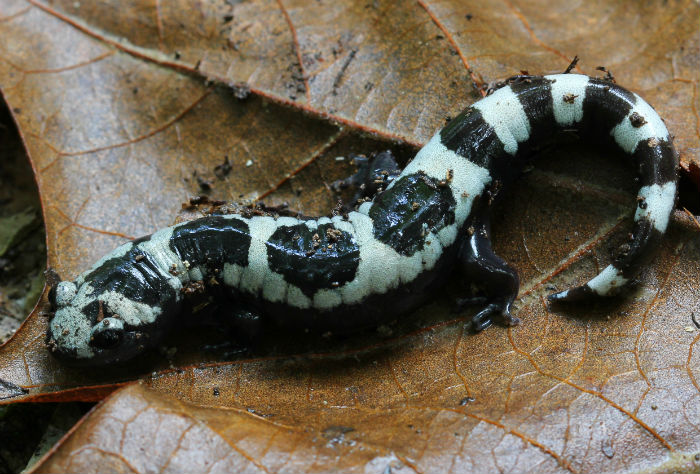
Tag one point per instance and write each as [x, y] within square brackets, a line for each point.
[390, 254]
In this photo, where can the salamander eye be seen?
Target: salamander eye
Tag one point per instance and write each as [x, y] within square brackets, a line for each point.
[107, 338]
[107, 333]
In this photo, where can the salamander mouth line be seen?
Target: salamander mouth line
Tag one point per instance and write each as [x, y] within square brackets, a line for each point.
[369, 264]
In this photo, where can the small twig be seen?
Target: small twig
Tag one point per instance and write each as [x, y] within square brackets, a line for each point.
[572, 65]
[608, 75]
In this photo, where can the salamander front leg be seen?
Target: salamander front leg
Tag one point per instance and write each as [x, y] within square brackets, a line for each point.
[373, 175]
[247, 324]
[487, 270]
[244, 329]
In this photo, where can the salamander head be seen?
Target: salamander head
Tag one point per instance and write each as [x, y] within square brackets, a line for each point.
[92, 327]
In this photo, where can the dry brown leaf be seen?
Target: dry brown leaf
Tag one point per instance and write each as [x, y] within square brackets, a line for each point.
[112, 104]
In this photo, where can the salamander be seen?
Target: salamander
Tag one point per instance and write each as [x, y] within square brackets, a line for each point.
[391, 253]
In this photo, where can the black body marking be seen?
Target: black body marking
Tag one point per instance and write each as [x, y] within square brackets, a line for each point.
[405, 214]
[657, 161]
[212, 241]
[471, 137]
[313, 259]
[606, 104]
[136, 276]
[535, 95]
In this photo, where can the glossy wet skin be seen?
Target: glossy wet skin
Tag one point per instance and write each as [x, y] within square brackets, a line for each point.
[382, 258]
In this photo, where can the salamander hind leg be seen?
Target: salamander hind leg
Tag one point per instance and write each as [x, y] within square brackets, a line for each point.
[373, 175]
[491, 274]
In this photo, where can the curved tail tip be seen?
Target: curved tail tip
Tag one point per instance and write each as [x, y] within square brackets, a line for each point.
[557, 297]
[560, 297]
[571, 295]
[609, 282]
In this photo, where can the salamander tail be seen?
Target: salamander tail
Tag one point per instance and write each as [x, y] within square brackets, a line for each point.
[642, 134]
[655, 204]
[647, 140]
[607, 283]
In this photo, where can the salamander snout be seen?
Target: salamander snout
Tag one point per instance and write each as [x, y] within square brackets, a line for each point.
[88, 328]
